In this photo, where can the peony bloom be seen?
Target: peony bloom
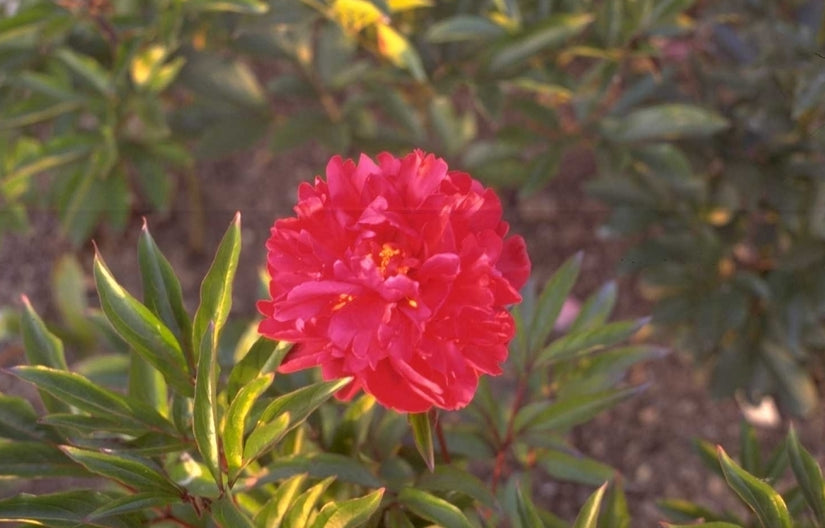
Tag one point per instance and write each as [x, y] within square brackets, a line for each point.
[397, 273]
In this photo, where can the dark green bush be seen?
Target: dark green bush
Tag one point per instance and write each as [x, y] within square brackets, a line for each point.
[732, 251]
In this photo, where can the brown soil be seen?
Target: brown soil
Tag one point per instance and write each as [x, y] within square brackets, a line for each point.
[648, 439]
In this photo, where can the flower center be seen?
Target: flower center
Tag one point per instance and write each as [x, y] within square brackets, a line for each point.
[391, 261]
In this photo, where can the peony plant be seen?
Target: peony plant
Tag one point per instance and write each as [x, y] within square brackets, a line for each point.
[395, 277]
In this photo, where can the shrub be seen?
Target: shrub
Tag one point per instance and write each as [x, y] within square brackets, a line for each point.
[732, 230]
[195, 427]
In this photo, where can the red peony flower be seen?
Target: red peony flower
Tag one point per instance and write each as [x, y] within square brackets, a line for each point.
[396, 273]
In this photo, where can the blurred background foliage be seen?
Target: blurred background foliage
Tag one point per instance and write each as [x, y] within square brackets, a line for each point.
[706, 120]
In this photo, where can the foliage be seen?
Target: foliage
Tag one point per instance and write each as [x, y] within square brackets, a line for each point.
[193, 426]
[756, 482]
[733, 229]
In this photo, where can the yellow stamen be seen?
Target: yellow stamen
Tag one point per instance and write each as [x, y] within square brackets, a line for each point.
[343, 300]
[412, 303]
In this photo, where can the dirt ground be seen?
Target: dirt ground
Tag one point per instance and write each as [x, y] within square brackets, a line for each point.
[647, 439]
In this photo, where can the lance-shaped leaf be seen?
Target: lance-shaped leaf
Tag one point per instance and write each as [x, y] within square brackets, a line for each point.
[235, 420]
[42, 348]
[319, 465]
[287, 412]
[139, 327]
[432, 508]
[565, 413]
[551, 33]
[809, 476]
[449, 478]
[589, 514]
[36, 460]
[551, 301]
[713, 524]
[87, 69]
[227, 514]
[588, 340]
[216, 288]
[131, 471]
[349, 513]
[18, 421]
[136, 502]
[527, 514]
[161, 289]
[57, 510]
[78, 391]
[423, 436]
[264, 356]
[615, 513]
[205, 412]
[766, 503]
[302, 508]
[280, 501]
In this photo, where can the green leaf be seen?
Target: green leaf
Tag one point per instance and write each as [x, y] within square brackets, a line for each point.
[59, 152]
[234, 423]
[397, 518]
[58, 510]
[450, 478]
[244, 7]
[131, 471]
[216, 288]
[596, 309]
[352, 431]
[227, 514]
[88, 69]
[432, 508]
[320, 465]
[589, 514]
[161, 289]
[766, 503]
[70, 296]
[232, 133]
[423, 436]
[287, 412]
[572, 468]
[301, 510]
[21, 459]
[702, 525]
[280, 501]
[749, 453]
[42, 348]
[32, 114]
[137, 502]
[350, 513]
[564, 413]
[797, 391]
[615, 513]
[664, 122]
[809, 476]
[551, 33]
[146, 384]
[139, 327]
[223, 81]
[205, 412]
[588, 340]
[551, 301]
[461, 28]
[262, 358]
[18, 421]
[528, 515]
[78, 391]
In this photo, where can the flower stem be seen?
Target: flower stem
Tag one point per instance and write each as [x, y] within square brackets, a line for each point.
[442, 442]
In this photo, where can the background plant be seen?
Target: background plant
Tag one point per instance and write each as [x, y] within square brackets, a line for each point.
[732, 230]
[757, 481]
[195, 427]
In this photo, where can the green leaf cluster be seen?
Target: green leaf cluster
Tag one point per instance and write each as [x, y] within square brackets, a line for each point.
[190, 424]
[757, 483]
